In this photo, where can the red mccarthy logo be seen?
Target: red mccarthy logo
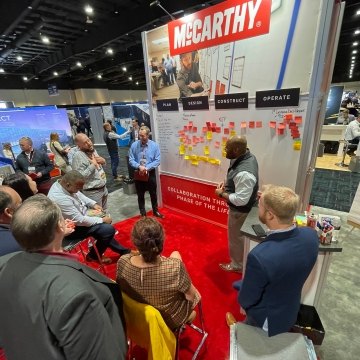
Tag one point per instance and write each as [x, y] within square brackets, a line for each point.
[226, 22]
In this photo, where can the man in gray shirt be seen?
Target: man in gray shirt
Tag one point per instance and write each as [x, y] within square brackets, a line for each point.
[88, 216]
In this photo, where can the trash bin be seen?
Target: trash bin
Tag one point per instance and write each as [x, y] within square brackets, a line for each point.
[129, 187]
[308, 323]
[321, 149]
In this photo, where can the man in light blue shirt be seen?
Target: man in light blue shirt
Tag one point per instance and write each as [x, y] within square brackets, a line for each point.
[144, 157]
[87, 215]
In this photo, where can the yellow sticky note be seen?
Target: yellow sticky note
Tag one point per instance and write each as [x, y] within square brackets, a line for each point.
[190, 148]
[217, 162]
[212, 161]
[181, 150]
[181, 140]
[194, 162]
[187, 157]
[208, 135]
[297, 145]
[232, 133]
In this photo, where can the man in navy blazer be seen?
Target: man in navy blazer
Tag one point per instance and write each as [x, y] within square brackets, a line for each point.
[278, 267]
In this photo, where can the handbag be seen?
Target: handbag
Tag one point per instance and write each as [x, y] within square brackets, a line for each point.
[141, 176]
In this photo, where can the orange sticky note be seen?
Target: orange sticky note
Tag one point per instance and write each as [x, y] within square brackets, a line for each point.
[194, 129]
[272, 124]
[288, 117]
[259, 124]
[251, 124]
[204, 129]
[201, 139]
[226, 131]
[224, 139]
[243, 125]
[298, 119]
[218, 129]
[231, 124]
[281, 126]
[280, 131]
[186, 128]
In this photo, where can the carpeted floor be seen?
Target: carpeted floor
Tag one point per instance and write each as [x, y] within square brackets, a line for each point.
[202, 247]
[334, 189]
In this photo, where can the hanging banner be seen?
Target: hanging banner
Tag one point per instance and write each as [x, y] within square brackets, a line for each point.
[226, 22]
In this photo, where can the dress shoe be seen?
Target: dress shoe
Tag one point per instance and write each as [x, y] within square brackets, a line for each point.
[142, 214]
[230, 319]
[157, 214]
[104, 260]
[230, 268]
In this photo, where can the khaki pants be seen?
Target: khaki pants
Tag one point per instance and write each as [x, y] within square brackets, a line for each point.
[236, 240]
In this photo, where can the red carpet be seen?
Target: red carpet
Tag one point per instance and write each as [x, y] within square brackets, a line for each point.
[202, 246]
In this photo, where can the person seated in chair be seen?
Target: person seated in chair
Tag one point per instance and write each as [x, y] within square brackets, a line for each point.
[23, 184]
[352, 134]
[88, 216]
[157, 280]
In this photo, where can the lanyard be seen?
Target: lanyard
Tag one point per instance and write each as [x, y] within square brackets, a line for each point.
[30, 156]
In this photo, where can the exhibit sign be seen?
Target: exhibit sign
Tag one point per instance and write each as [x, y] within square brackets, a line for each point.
[226, 22]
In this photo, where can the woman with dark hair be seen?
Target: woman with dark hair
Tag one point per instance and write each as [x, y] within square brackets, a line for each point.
[156, 280]
[23, 184]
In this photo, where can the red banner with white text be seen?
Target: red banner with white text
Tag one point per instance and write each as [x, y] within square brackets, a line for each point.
[226, 22]
[194, 198]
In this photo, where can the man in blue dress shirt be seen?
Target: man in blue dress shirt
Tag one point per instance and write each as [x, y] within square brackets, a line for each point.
[144, 157]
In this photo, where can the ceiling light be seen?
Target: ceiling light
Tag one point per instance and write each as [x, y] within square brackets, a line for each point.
[2, 70]
[19, 58]
[358, 12]
[355, 43]
[353, 57]
[88, 9]
[25, 78]
[116, 12]
[79, 64]
[99, 76]
[357, 32]
[45, 39]
[137, 83]
[350, 76]
[109, 51]
[354, 52]
[130, 78]
[55, 73]
[86, 30]
[123, 68]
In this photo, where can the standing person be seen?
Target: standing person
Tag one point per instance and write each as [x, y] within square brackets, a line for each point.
[87, 161]
[134, 135]
[169, 70]
[110, 138]
[10, 200]
[36, 163]
[240, 191]
[278, 267]
[87, 125]
[113, 127]
[144, 157]
[81, 125]
[188, 78]
[352, 134]
[60, 153]
[62, 308]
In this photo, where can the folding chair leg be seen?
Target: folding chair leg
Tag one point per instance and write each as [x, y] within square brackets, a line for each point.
[101, 267]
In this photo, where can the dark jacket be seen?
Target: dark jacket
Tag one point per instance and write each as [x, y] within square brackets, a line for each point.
[8, 244]
[41, 162]
[276, 271]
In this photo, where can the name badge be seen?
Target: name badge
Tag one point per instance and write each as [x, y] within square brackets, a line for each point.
[31, 169]
[102, 173]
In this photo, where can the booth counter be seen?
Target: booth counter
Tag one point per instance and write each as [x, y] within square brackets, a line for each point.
[314, 284]
[334, 133]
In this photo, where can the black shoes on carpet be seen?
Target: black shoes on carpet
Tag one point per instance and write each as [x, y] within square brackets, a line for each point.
[155, 213]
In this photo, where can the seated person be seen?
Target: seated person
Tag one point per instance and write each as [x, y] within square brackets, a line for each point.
[22, 183]
[345, 118]
[87, 215]
[153, 279]
[278, 267]
[10, 200]
[352, 134]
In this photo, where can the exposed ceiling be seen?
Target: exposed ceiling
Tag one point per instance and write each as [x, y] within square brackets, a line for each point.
[78, 51]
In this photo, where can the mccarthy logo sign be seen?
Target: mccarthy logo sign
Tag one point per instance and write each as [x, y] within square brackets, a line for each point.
[226, 22]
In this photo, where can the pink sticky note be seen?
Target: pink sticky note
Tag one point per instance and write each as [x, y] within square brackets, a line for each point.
[298, 119]
[190, 123]
[208, 124]
[218, 129]
[281, 126]
[280, 131]
[226, 131]
[213, 124]
[201, 138]
[243, 125]
[231, 124]
[204, 129]
[251, 124]
[259, 124]
[217, 144]
[181, 132]
[272, 124]
[213, 128]
[194, 129]
[186, 128]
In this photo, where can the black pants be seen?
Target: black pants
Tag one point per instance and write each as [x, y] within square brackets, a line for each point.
[142, 187]
[104, 235]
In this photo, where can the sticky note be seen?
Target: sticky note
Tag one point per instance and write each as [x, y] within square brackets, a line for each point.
[208, 124]
[272, 124]
[288, 117]
[201, 139]
[204, 129]
[243, 125]
[194, 162]
[190, 123]
[231, 124]
[190, 148]
[193, 157]
[194, 129]
[251, 124]
[298, 119]
[218, 129]
[186, 157]
[217, 162]
[217, 144]
[212, 161]
[297, 145]
[232, 133]
[213, 128]
[259, 124]
[206, 150]
[208, 135]
[186, 128]
[213, 124]
[224, 139]
[280, 131]
[281, 126]
[226, 131]
[181, 140]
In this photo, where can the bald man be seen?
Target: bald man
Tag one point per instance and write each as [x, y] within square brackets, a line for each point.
[240, 191]
[10, 200]
[88, 163]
